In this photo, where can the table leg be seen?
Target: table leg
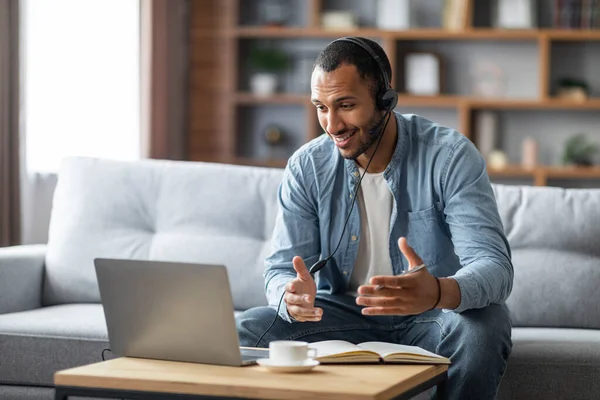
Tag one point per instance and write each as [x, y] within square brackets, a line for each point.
[441, 390]
[60, 394]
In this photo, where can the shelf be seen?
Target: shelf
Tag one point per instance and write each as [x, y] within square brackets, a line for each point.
[276, 32]
[572, 35]
[565, 172]
[428, 101]
[467, 34]
[511, 171]
[547, 104]
[421, 34]
[443, 101]
[280, 98]
[497, 103]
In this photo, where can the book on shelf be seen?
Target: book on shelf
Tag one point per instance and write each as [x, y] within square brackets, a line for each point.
[342, 352]
[573, 14]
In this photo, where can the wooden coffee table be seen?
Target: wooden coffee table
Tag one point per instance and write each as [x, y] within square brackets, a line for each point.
[137, 379]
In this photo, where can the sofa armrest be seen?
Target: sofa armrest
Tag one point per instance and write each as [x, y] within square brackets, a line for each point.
[21, 277]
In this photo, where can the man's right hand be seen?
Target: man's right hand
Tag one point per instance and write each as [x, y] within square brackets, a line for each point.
[300, 294]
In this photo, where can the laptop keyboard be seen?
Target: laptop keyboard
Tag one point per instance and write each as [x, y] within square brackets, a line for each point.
[254, 354]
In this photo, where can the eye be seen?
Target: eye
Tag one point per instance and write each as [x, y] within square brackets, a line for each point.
[321, 108]
[346, 106]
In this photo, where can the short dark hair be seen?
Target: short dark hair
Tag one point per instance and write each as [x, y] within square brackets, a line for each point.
[344, 52]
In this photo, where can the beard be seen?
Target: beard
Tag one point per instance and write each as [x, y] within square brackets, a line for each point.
[366, 142]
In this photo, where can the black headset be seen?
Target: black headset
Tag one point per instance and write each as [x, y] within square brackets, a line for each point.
[386, 98]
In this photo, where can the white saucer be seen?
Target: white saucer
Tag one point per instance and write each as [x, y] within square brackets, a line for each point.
[305, 366]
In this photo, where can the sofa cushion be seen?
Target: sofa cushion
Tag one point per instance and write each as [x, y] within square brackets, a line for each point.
[553, 234]
[552, 363]
[159, 210]
[36, 343]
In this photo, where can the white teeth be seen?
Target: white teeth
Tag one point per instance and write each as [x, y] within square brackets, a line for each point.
[341, 139]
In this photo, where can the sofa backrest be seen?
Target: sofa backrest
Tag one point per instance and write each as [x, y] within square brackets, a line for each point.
[554, 236]
[159, 210]
[216, 213]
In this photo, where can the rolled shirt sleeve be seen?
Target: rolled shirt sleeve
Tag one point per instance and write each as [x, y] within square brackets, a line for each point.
[296, 233]
[477, 232]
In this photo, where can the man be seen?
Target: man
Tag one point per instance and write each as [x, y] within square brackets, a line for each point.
[424, 198]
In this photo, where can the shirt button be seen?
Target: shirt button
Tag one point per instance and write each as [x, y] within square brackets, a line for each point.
[350, 195]
[353, 238]
[355, 174]
[345, 272]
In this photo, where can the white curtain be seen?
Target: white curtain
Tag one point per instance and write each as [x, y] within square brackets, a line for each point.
[81, 84]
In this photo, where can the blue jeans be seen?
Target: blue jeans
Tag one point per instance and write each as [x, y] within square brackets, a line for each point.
[477, 341]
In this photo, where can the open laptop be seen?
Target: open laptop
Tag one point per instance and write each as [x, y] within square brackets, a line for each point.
[171, 311]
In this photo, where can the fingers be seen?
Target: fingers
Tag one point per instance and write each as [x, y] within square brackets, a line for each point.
[378, 301]
[302, 300]
[305, 314]
[389, 281]
[290, 287]
[384, 311]
[410, 255]
[300, 268]
[374, 290]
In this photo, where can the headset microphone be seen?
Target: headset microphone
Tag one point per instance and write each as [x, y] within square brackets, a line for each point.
[375, 130]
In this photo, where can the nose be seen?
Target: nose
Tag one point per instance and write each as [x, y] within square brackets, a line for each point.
[335, 124]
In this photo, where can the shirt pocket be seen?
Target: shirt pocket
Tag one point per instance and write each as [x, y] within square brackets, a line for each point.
[427, 236]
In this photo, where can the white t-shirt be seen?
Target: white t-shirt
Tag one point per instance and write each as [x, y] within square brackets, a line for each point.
[375, 202]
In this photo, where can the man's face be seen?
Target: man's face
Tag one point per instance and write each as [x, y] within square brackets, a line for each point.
[346, 109]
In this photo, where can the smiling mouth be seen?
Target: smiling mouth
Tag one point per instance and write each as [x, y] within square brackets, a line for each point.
[345, 137]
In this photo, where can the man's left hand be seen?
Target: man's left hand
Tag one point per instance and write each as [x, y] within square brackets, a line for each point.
[406, 294]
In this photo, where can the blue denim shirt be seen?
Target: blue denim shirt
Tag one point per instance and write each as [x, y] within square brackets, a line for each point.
[443, 204]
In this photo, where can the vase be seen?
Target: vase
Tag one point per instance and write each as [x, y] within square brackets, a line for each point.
[263, 84]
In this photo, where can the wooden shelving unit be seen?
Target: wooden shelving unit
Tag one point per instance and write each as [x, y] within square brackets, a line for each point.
[441, 101]
[232, 34]
[542, 174]
[419, 34]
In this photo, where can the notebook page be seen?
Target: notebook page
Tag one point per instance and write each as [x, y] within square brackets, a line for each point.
[385, 349]
[330, 347]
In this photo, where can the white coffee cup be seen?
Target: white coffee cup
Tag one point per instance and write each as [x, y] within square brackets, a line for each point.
[290, 352]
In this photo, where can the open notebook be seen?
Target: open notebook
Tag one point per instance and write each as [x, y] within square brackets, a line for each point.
[340, 352]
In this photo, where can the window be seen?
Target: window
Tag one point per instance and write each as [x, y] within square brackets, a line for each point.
[81, 80]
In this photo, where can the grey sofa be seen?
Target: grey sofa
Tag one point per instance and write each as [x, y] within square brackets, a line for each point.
[51, 319]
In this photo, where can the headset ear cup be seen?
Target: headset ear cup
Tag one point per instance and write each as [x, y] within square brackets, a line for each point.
[388, 100]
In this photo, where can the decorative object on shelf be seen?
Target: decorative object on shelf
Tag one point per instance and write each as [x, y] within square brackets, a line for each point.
[529, 153]
[486, 125]
[393, 14]
[487, 79]
[268, 64]
[455, 15]
[275, 139]
[573, 89]
[515, 14]
[275, 13]
[497, 160]
[333, 20]
[423, 73]
[579, 151]
[273, 135]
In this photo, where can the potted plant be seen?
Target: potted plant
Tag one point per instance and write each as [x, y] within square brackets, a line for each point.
[573, 89]
[579, 151]
[267, 64]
